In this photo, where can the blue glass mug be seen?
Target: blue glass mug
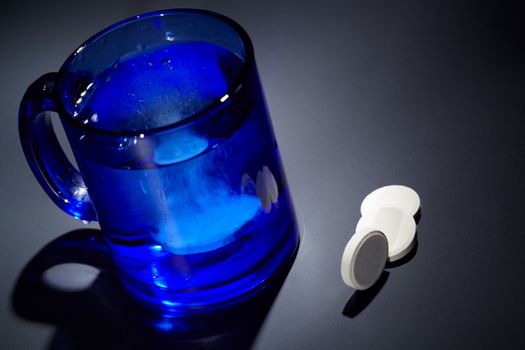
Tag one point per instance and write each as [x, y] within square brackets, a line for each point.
[177, 159]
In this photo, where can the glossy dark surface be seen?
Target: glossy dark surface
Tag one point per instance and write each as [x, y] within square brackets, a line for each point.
[362, 94]
[104, 317]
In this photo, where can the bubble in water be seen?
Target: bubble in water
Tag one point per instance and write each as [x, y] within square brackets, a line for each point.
[141, 46]
[170, 36]
[165, 61]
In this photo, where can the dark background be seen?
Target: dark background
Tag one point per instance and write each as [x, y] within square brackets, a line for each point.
[362, 94]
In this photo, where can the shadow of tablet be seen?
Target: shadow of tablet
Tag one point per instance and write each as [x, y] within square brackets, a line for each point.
[407, 258]
[418, 215]
[362, 298]
[104, 317]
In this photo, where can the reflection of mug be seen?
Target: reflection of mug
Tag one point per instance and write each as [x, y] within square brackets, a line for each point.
[168, 124]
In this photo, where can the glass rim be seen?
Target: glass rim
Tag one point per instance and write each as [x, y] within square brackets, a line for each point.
[233, 90]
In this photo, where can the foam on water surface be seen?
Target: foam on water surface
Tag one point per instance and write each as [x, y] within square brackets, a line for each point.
[157, 87]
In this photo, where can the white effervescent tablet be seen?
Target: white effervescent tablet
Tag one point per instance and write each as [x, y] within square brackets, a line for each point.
[364, 258]
[396, 196]
[398, 226]
[71, 277]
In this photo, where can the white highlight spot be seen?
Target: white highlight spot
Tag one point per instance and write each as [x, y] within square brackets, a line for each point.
[156, 248]
[225, 97]
[80, 193]
[170, 36]
[71, 277]
[80, 49]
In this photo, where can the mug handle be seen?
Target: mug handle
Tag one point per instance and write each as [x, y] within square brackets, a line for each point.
[55, 173]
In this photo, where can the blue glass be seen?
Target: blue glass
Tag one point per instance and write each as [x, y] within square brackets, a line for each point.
[177, 158]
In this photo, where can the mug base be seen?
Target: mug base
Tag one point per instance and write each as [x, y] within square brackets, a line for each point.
[224, 297]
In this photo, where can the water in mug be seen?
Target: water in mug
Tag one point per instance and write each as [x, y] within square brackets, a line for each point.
[196, 216]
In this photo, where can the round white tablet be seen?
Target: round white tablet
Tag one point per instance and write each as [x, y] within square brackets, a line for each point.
[71, 277]
[396, 196]
[364, 258]
[398, 227]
